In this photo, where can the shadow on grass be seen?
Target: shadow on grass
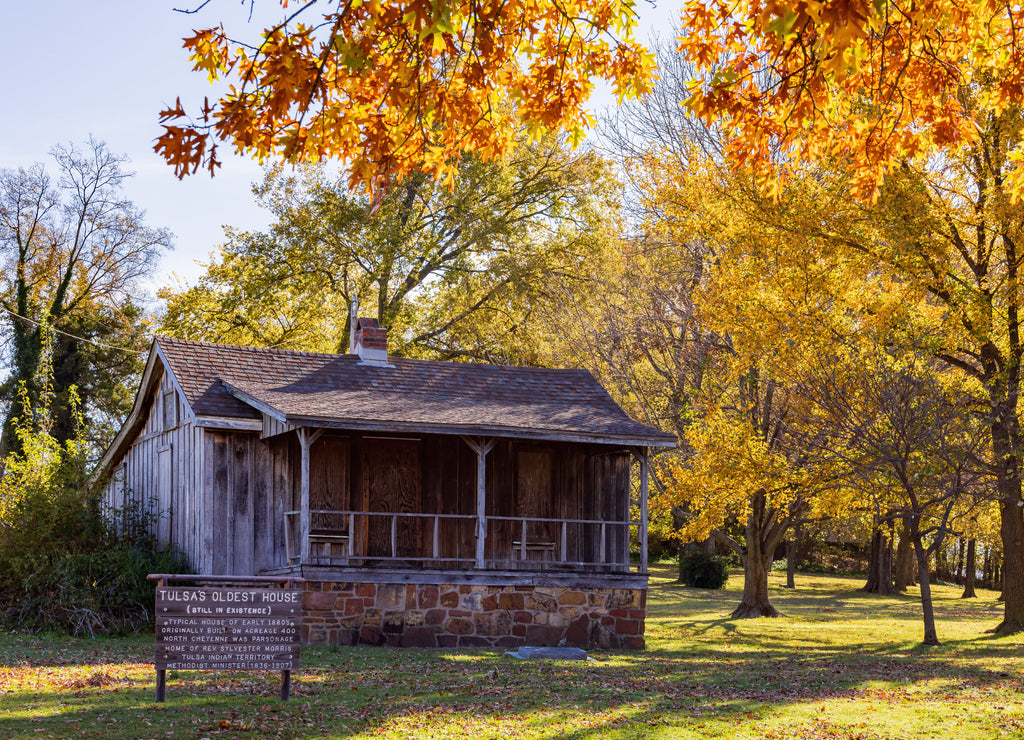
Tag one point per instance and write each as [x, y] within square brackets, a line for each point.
[701, 669]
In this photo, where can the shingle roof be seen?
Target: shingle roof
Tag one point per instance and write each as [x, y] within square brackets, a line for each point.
[305, 387]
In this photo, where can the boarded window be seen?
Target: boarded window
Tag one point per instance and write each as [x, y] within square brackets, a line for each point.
[165, 480]
[170, 410]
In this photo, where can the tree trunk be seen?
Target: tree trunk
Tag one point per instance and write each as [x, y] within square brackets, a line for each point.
[961, 547]
[757, 562]
[791, 564]
[904, 560]
[1006, 434]
[971, 567]
[755, 589]
[879, 566]
[927, 610]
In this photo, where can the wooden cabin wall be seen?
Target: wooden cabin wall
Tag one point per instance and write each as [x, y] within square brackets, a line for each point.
[242, 505]
[162, 474]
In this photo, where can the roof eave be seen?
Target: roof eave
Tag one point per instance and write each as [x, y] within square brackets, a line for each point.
[553, 435]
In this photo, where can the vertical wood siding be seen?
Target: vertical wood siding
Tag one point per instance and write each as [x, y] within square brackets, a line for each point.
[161, 475]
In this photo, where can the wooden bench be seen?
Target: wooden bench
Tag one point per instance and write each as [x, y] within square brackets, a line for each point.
[546, 550]
[322, 543]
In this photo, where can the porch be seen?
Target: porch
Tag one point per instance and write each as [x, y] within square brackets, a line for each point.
[467, 505]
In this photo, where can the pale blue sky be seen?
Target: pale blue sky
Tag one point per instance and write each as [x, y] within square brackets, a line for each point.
[74, 68]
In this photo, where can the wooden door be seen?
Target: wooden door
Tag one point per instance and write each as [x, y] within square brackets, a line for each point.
[391, 483]
[534, 500]
[328, 483]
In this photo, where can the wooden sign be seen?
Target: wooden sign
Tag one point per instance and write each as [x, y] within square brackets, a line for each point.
[220, 628]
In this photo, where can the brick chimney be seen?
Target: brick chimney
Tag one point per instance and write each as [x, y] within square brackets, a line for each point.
[371, 342]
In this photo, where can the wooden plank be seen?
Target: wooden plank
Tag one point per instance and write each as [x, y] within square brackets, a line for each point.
[644, 472]
[240, 522]
[220, 545]
[262, 508]
[392, 481]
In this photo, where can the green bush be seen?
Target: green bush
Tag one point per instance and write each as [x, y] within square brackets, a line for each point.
[700, 569]
[62, 567]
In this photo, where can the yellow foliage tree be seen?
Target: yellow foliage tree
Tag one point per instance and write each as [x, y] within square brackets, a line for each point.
[871, 82]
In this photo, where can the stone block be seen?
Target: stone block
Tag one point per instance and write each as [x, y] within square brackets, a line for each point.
[413, 618]
[352, 623]
[508, 641]
[391, 596]
[557, 620]
[354, 606]
[465, 588]
[638, 614]
[602, 636]
[511, 601]
[569, 612]
[373, 616]
[489, 603]
[317, 637]
[519, 630]
[450, 599]
[541, 602]
[541, 635]
[540, 618]
[577, 634]
[633, 643]
[474, 641]
[371, 636]
[347, 637]
[492, 624]
[627, 598]
[458, 626]
[596, 598]
[523, 617]
[470, 602]
[393, 622]
[318, 601]
[435, 616]
[366, 590]
[421, 637]
[627, 627]
[447, 641]
[619, 613]
[427, 597]
[572, 598]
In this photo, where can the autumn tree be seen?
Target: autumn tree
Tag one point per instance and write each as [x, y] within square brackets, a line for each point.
[904, 435]
[392, 87]
[874, 83]
[452, 272]
[74, 253]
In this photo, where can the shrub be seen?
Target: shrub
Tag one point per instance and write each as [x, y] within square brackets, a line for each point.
[700, 569]
[61, 566]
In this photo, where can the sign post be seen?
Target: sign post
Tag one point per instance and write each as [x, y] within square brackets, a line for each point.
[228, 626]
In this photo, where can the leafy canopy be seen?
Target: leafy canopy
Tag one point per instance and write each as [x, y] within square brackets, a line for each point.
[873, 82]
[387, 86]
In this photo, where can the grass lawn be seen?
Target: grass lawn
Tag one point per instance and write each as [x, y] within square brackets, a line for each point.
[841, 664]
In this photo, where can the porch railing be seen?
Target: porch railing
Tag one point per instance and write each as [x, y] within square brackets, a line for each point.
[521, 543]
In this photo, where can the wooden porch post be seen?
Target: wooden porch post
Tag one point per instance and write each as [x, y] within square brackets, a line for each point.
[481, 448]
[644, 466]
[306, 440]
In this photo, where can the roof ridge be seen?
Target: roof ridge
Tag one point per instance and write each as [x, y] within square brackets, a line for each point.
[307, 353]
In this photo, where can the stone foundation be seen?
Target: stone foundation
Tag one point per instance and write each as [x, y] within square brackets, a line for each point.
[417, 615]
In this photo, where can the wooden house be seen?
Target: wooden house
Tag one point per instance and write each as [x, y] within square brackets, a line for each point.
[424, 503]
